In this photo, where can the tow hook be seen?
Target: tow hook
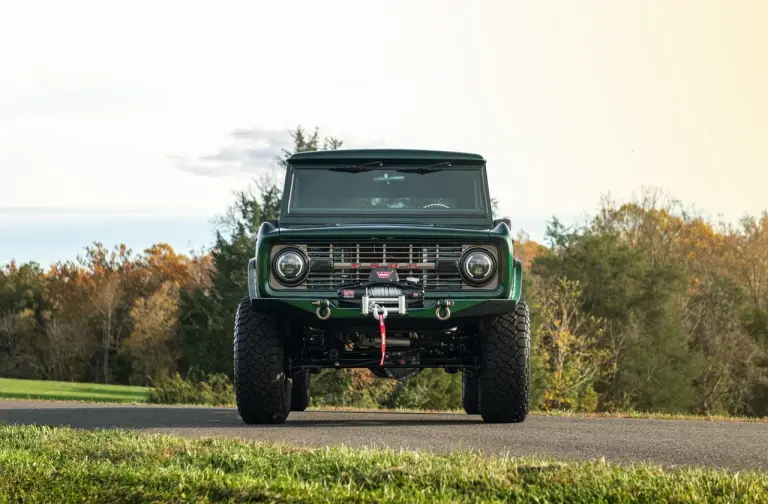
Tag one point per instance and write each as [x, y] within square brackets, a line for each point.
[380, 313]
[443, 311]
[323, 311]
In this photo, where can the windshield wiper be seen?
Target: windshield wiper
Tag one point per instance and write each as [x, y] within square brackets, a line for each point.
[425, 169]
[373, 224]
[357, 168]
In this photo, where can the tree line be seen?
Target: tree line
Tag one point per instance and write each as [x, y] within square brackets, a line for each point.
[644, 306]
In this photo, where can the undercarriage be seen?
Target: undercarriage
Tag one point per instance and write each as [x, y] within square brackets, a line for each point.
[365, 342]
[405, 352]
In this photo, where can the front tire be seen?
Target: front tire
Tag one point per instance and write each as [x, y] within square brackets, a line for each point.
[262, 389]
[504, 370]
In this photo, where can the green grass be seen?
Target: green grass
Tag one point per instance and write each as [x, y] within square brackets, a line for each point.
[69, 391]
[47, 464]
[650, 415]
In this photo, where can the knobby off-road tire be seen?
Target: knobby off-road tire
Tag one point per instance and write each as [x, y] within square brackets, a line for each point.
[504, 369]
[262, 389]
[470, 394]
[300, 390]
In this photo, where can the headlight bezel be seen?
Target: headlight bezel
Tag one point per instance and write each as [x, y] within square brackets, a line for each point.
[467, 277]
[302, 275]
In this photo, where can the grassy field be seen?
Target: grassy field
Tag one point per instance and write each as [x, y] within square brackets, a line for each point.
[52, 390]
[45, 464]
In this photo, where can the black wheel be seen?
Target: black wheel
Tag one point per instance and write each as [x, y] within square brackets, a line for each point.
[470, 394]
[300, 390]
[262, 389]
[504, 372]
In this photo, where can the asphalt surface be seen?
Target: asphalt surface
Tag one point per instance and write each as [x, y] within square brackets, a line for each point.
[733, 445]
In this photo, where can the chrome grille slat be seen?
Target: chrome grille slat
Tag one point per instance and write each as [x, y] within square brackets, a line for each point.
[393, 253]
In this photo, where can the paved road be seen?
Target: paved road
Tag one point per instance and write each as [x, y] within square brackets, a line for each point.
[735, 445]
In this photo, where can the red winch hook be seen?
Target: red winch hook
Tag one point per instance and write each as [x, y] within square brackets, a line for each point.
[380, 312]
[383, 332]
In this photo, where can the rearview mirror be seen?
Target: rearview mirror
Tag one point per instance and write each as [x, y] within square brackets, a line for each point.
[386, 178]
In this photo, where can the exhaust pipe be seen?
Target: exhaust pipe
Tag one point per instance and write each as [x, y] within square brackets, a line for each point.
[373, 341]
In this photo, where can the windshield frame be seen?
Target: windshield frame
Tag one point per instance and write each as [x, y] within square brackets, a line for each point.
[423, 216]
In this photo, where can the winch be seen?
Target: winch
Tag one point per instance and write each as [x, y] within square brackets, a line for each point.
[383, 288]
[382, 293]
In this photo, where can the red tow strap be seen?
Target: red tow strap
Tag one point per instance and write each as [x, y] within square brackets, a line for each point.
[383, 338]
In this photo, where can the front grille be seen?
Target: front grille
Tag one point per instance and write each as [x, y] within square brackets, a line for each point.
[352, 263]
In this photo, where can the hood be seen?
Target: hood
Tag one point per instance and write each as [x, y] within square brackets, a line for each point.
[385, 231]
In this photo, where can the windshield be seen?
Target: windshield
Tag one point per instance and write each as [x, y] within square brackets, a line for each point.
[388, 190]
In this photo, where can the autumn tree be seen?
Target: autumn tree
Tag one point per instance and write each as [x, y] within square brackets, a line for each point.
[17, 350]
[750, 258]
[109, 270]
[151, 345]
[72, 343]
[527, 250]
[22, 305]
[640, 303]
[567, 342]
[160, 264]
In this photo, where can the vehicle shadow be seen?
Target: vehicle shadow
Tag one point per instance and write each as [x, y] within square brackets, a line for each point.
[125, 417]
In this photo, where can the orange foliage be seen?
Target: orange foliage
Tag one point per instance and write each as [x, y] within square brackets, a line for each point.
[526, 251]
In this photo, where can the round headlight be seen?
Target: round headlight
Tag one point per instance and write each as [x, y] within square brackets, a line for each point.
[290, 266]
[477, 267]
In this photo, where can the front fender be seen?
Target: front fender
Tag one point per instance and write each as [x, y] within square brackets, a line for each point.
[517, 291]
[252, 290]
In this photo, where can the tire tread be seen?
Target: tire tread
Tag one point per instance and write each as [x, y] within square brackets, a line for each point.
[262, 390]
[505, 371]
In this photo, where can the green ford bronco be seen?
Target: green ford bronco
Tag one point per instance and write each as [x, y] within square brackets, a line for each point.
[388, 260]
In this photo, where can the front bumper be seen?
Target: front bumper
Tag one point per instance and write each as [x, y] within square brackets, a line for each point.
[432, 315]
[327, 312]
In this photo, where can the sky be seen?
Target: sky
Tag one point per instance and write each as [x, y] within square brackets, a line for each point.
[135, 124]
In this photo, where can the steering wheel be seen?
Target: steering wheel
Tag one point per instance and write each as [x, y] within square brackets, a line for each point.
[436, 205]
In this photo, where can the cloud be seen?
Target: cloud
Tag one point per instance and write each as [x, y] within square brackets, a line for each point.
[250, 151]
